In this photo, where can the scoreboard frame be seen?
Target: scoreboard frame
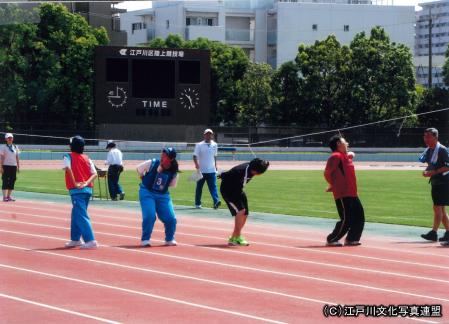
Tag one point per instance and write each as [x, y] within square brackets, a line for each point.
[123, 75]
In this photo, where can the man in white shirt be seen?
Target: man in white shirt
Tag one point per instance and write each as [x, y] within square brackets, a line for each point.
[115, 161]
[205, 159]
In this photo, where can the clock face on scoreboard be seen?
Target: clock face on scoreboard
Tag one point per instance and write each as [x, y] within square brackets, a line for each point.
[154, 86]
[189, 98]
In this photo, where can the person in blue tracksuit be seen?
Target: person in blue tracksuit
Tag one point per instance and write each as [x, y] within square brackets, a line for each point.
[157, 175]
[79, 176]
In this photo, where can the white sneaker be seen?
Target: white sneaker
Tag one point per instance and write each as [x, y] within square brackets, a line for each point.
[145, 243]
[445, 243]
[171, 243]
[71, 244]
[198, 206]
[89, 245]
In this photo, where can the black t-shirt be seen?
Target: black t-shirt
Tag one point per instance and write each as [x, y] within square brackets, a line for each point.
[234, 180]
[442, 161]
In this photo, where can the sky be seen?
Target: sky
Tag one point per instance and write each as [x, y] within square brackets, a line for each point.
[137, 5]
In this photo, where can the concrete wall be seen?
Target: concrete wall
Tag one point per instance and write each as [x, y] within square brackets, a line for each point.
[175, 15]
[169, 133]
[295, 22]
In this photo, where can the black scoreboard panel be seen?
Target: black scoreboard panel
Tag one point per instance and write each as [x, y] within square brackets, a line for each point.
[148, 85]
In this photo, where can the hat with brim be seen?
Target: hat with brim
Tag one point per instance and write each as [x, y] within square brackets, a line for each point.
[208, 131]
[110, 144]
[170, 151]
[8, 135]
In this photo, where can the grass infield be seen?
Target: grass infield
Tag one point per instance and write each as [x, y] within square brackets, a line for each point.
[394, 197]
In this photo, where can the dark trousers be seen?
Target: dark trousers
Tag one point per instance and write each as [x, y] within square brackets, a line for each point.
[113, 180]
[9, 177]
[352, 220]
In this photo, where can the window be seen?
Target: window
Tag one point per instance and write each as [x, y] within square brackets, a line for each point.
[137, 26]
[210, 21]
[167, 23]
[188, 22]
[314, 27]
[346, 28]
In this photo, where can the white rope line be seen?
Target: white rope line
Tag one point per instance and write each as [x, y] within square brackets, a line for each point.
[248, 144]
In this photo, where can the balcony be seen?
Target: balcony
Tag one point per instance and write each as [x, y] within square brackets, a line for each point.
[240, 35]
[215, 33]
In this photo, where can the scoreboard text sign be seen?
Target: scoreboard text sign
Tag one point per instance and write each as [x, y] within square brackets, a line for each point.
[148, 85]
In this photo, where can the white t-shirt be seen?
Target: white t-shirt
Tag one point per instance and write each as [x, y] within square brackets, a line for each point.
[114, 157]
[8, 155]
[206, 153]
[144, 167]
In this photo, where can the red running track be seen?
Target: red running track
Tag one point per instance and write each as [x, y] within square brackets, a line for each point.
[283, 277]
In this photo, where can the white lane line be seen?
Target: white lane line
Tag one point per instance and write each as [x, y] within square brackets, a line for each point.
[228, 265]
[220, 229]
[140, 293]
[425, 265]
[170, 274]
[27, 301]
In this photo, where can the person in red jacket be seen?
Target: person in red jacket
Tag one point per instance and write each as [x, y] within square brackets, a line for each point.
[340, 175]
[80, 173]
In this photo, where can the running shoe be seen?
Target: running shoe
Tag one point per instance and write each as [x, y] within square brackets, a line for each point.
[216, 205]
[71, 244]
[145, 243]
[89, 245]
[445, 237]
[430, 236]
[352, 243]
[334, 243]
[171, 243]
[239, 240]
[122, 196]
[445, 243]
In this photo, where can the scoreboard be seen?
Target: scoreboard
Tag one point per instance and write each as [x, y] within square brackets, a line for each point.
[139, 85]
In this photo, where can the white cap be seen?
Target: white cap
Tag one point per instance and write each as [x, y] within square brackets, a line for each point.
[8, 135]
[208, 131]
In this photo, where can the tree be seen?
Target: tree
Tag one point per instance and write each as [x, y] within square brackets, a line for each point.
[323, 82]
[49, 67]
[434, 99]
[382, 78]
[255, 93]
[228, 64]
[286, 95]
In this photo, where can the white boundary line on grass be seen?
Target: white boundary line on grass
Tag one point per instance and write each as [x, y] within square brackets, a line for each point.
[27, 301]
[141, 293]
[251, 268]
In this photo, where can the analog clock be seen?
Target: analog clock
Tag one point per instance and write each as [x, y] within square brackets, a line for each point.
[189, 98]
[117, 98]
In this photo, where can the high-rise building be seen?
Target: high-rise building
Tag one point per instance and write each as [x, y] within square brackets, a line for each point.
[431, 39]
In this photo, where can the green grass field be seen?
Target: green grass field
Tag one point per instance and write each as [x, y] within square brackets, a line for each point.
[395, 197]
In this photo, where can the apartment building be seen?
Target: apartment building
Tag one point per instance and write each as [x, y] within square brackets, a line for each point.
[268, 30]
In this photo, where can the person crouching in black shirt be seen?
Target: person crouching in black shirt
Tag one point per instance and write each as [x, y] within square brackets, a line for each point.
[232, 183]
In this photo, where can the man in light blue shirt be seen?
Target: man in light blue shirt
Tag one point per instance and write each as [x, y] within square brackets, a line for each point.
[205, 159]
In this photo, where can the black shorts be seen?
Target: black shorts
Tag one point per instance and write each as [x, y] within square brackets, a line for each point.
[440, 194]
[236, 202]
[9, 177]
